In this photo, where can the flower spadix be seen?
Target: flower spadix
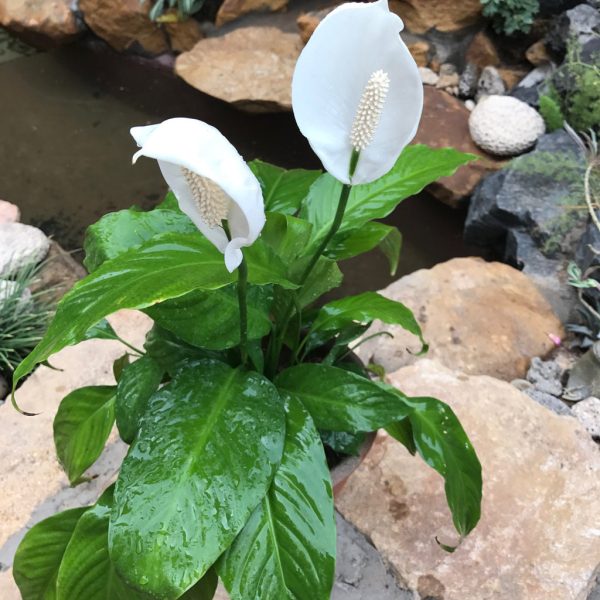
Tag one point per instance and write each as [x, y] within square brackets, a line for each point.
[357, 91]
[210, 180]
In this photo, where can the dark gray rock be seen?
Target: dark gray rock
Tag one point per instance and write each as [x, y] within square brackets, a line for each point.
[549, 8]
[546, 376]
[467, 86]
[586, 255]
[360, 571]
[590, 51]
[530, 87]
[549, 401]
[581, 22]
[3, 389]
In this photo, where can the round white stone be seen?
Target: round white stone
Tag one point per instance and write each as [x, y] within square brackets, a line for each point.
[505, 126]
[10, 288]
[20, 245]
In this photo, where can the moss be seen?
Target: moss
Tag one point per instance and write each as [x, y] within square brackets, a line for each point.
[551, 112]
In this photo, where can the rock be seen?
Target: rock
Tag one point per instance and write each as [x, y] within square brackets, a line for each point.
[554, 7]
[511, 76]
[537, 54]
[262, 58]
[482, 52]
[452, 304]
[421, 15]
[529, 196]
[3, 388]
[9, 213]
[442, 107]
[584, 378]
[420, 52]
[587, 254]
[34, 484]
[428, 77]
[588, 413]
[546, 376]
[505, 126]
[40, 23]
[528, 89]
[467, 86]
[8, 289]
[580, 23]
[308, 22]
[469, 105]
[20, 245]
[183, 35]
[449, 77]
[125, 25]
[58, 275]
[490, 83]
[538, 535]
[548, 401]
[234, 9]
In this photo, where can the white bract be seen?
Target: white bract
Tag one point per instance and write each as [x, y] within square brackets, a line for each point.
[356, 88]
[210, 180]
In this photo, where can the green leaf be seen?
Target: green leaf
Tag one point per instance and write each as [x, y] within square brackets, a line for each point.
[172, 354]
[86, 571]
[117, 232]
[205, 454]
[364, 239]
[283, 190]
[416, 167]
[402, 432]
[82, 425]
[339, 400]
[287, 548]
[168, 266]
[205, 589]
[40, 552]
[212, 319]
[119, 364]
[286, 235]
[343, 442]
[101, 331]
[365, 308]
[443, 444]
[325, 276]
[139, 381]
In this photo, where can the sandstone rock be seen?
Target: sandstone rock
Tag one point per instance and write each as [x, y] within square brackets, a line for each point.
[428, 77]
[9, 213]
[588, 413]
[482, 51]
[490, 83]
[420, 52]
[449, 77]
[511, 76]
[125, 25]
[39, 22]
[445, 15]
[308, 22]
[262, 58]
[234, 9]
[184, 35]
[505, 126]
[537, 54]
[440, 107]
[480, 318]
[20, 245]
[33, 482]
[538, 536]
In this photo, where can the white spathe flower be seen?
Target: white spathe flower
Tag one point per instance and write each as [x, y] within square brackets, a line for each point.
[357, 88]
[210, 180]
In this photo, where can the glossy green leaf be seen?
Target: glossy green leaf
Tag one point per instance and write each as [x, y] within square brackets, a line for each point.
[212, 319]
[168, 266]
[443, 444]
[371, 235]
[286, 235]
[416, 167]
[205, 454]
[139, 381]
[40, 552]
[117, 232]
[339, 400]
[82, 425]
[402, 432]
[287, 548]
[172, 353]
[86, 571]
[283, 190]
[343, 442]
[365, 308]
[325, 276]
[205, 588]
[119, 364]
[101, 331]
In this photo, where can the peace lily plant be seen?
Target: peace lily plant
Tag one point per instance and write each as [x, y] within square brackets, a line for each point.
[246, 379]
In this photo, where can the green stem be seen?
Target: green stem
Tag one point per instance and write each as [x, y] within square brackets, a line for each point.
[335, 225]
[242, 291]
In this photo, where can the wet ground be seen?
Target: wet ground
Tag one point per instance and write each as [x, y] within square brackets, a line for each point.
[65, 156]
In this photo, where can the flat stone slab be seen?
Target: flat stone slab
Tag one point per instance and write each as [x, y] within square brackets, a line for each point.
[539, 534]
[33, 482]
[481, 318]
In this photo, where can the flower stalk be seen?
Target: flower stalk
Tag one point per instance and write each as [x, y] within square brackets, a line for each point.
[242, 300]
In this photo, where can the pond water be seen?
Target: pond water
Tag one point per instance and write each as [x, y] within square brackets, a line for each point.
[65, 150]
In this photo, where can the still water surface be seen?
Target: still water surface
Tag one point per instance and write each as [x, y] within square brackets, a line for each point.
[65, 151]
